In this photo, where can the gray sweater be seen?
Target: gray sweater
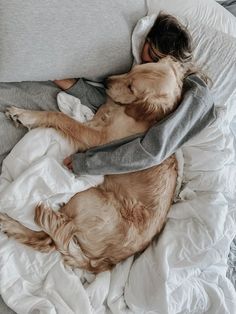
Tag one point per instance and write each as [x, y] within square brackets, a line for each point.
[142, 151]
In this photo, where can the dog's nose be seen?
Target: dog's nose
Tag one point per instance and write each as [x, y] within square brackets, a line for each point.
[105, 82]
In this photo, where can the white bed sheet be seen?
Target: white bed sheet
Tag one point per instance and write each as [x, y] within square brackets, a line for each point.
[185, 271]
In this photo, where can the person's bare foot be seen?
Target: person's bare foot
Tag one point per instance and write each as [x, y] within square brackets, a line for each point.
[65, 84]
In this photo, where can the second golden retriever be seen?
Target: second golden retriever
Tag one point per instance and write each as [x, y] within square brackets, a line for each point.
[101, 226]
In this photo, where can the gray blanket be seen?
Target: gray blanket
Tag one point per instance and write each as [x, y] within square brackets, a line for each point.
[28, 95]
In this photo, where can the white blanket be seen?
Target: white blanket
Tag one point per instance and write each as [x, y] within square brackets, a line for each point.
[183, 272]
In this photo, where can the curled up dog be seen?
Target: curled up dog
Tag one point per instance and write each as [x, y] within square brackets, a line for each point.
[101, 226]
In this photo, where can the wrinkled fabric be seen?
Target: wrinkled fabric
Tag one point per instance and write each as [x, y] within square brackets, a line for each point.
[184, 270]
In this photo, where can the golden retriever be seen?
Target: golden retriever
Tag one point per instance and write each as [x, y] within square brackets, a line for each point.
[101, 226]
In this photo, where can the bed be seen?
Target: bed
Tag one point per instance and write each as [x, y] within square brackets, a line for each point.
[185, 270]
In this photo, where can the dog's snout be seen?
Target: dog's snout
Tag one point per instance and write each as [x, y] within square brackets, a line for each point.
[106, 82]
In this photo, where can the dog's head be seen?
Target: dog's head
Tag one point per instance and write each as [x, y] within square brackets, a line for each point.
[150, 91]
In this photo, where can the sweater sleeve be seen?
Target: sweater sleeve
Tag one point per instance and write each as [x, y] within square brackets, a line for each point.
[142, 151]
[91, 94]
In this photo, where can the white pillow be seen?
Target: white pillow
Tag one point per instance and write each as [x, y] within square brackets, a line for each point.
[207, 12]
[215, 53]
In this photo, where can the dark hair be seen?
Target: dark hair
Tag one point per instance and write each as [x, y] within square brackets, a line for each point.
[170, 37]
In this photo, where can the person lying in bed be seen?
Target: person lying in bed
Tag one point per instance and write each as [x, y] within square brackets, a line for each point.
[196, 111]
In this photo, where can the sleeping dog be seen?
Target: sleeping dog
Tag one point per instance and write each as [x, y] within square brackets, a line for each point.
[103, 225]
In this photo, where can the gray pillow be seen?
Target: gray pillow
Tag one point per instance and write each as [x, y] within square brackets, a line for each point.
[49, 39]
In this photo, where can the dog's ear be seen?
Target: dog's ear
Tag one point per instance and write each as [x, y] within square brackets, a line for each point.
[151, 109]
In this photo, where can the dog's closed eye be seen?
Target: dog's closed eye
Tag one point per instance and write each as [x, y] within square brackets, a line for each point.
[130, 88]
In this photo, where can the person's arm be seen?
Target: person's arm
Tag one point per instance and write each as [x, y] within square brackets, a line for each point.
[90, 94]
[65, 84]
[195, 112]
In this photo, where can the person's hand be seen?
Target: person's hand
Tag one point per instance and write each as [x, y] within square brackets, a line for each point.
[65, 84]
[68, 162]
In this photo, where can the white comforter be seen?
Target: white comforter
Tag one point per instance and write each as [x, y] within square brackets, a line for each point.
[184, 272]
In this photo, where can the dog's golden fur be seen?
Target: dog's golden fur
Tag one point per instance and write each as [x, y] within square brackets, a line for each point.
[101, 226]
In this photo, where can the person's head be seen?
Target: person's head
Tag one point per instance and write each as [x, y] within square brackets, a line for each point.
[167, 37]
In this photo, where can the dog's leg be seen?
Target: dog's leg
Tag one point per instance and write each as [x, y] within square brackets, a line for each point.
[57, 224]
[63, 232]
[82, 135]
[38, 240]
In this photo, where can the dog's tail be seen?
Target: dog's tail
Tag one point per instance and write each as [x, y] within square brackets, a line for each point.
[39, 240]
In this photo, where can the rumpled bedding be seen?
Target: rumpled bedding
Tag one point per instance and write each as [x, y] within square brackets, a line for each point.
[31, 173]
[184, 271]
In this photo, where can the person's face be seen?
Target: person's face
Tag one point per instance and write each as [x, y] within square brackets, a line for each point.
[150, 54]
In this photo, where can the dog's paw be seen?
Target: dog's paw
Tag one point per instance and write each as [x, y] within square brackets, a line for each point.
[5, 223]
[11, 114]
[21, 117]
[41, 213]
[69, 261]
[48, 219]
